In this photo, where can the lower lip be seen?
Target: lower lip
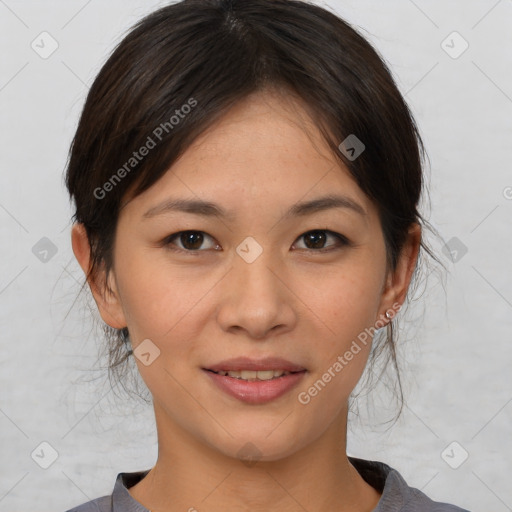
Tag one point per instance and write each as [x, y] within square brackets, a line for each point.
[259, 391]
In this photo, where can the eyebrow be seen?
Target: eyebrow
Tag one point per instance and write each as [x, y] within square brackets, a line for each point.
[209, 209]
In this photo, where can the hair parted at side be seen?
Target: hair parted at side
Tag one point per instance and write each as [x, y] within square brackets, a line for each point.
[183, 66]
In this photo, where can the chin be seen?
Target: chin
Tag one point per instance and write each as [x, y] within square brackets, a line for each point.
[258, 449]
[260, 441]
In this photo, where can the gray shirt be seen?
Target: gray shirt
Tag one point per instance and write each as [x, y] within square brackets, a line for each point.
[397, 496]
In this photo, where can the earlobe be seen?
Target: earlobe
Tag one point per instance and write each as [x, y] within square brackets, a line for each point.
[103, 288]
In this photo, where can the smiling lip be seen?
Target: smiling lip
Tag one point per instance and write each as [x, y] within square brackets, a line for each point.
[245, 363]
[255, 391]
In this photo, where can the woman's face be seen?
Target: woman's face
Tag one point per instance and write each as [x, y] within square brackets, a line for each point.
[251, 282]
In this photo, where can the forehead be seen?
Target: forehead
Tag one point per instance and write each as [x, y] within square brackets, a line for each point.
[264, 152]
[271, 121]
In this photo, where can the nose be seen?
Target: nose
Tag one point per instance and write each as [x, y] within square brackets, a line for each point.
[257, 300]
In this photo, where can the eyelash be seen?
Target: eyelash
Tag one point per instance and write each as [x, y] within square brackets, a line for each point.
[342, 241]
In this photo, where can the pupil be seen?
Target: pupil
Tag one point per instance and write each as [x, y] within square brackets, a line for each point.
[317, 238]
[191, 240]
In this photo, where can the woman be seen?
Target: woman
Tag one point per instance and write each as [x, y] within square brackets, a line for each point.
[246, 178]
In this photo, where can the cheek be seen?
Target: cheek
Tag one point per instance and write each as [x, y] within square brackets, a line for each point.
[346, 301]
[348, 307]
[164, 304]
[156, 297]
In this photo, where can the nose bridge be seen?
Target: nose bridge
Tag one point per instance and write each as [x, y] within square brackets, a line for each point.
[256, 275]
[255, 299]
[256, 283]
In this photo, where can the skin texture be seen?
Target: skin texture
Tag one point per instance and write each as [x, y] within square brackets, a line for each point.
[208, 305]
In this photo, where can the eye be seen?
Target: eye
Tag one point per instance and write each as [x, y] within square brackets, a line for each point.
[189, 241]
[315, 240]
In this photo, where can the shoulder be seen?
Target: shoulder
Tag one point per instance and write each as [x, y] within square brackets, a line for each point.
[416, 501]
[103, 504]
[120, 499]
[397, 495]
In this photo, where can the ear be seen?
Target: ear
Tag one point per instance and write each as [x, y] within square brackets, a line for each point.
[398, 280]
[103, 287]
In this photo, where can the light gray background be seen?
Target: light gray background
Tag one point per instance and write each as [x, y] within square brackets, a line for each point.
[456, 361]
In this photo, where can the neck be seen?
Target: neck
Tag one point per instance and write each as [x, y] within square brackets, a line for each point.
[190, 476]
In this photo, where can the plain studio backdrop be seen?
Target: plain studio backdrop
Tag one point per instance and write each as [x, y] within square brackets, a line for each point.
[452, 61]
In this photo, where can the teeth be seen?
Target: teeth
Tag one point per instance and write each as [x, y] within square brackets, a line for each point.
[252, 375]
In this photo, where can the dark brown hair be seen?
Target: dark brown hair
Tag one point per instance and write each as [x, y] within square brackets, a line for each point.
[210, 54]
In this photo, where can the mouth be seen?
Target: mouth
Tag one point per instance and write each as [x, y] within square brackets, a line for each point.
[246, 364]
[253, 375]
[255, 381]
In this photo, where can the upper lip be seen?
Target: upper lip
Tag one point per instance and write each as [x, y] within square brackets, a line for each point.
[246, 363]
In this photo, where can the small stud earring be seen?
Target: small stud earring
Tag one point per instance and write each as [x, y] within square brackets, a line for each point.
[388, 315]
